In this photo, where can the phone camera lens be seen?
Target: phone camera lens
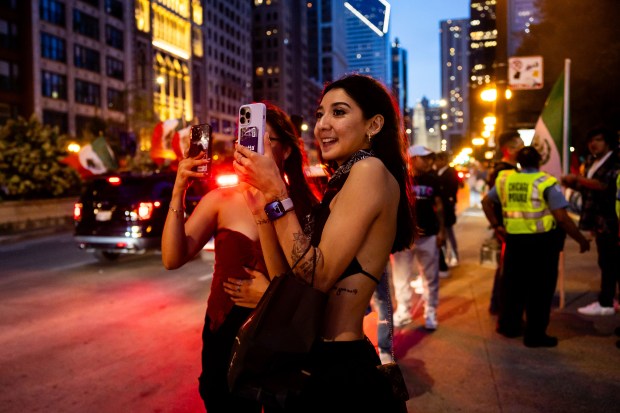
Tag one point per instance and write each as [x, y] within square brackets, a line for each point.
[248, 115]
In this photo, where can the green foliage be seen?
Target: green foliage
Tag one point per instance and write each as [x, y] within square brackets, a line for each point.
[30, 166]
[588, 33]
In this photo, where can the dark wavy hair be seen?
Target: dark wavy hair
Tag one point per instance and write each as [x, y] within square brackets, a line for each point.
[389, 144]
[300, 191]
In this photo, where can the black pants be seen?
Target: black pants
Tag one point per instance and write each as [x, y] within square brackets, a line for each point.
[609, 263]
[529, 277]
[345, 379]
[216, 347]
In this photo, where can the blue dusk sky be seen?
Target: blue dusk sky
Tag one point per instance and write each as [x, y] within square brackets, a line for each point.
[416, 25]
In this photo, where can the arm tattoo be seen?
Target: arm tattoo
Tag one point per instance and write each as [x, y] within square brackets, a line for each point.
[306, 260]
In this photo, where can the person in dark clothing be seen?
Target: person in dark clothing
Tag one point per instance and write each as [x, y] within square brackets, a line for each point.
[448, 188]
[534, 220]
[510, 143]
[598, 215]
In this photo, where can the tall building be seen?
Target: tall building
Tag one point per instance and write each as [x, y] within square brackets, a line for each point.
[368, 32]
[225, 83]
[482, 47]
[399, 75]
[454, 40]
[165, 41]
[432, 112]
[327, 47]
[521, 15]
[128, 63]
[280, 56]
[16, 89]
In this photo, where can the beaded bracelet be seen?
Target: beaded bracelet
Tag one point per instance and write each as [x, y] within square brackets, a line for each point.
[177, 212]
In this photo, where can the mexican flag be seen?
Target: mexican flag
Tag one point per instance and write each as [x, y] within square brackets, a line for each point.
[97, 157]
[549, 131]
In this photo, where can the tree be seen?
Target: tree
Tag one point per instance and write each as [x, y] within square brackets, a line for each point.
[587, 33]
[30, 166]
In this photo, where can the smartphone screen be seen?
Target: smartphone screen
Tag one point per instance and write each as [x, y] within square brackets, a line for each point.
[200, 141]
[252, 118]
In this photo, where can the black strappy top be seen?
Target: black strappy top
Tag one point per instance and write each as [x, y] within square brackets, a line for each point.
[321, 211]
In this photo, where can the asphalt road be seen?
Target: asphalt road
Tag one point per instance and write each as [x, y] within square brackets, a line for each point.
[77, 335]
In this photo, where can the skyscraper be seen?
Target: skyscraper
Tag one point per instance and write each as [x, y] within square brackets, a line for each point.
[399, 75]
[112, 60]
[482, 47]
[280, 56]
[368, 45]
[454, 40]
[521, 15]
[327, 47]
[226, 80]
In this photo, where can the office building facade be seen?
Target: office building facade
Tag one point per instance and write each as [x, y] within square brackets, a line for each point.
[127, 63]
[454, 41]
[367, 33]
[399, 75]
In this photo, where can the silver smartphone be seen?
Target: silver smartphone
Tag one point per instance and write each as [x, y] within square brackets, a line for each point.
[251, 130]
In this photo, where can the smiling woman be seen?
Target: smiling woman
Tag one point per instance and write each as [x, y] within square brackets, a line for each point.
[359, 131]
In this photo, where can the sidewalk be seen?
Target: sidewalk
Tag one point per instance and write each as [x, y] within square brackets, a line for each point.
[465, 366]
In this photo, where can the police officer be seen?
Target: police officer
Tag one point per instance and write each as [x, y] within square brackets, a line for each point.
[534, 215]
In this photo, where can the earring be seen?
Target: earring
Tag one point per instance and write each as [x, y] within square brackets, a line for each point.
[369, 137]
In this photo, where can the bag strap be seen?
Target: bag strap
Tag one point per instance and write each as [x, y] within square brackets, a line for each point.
[390, 315]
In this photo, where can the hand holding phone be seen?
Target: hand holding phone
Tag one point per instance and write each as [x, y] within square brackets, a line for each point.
[200, 141]
[252, 118]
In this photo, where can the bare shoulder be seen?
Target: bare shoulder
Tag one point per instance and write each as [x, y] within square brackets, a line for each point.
[372, 171]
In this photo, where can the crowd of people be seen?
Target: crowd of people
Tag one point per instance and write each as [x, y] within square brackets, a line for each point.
[401, 235]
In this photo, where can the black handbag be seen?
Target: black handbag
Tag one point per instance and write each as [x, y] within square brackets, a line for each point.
[271, 347]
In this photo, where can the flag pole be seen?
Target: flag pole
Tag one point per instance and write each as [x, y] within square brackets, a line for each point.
[565, 155]
[566, 117]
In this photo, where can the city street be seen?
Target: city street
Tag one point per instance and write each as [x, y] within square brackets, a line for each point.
[80, 336]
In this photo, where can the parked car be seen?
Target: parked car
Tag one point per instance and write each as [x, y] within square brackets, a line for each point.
[125, 213]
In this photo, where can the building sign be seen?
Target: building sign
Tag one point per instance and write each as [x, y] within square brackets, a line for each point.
[525, 72]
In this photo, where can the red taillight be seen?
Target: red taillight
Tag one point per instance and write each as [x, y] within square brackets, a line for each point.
[114, 180]
[77, 211]
[145, 210]
[227, 180]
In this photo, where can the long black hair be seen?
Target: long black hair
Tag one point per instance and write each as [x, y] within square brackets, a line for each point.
[389, 144]
[299, 190]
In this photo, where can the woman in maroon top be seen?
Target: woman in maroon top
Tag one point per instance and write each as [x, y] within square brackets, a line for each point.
[240, 273]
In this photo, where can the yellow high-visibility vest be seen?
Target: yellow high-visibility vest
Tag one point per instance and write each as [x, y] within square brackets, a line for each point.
[523, 205]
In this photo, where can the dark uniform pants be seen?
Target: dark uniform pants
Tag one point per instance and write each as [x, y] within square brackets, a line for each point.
[530, 273]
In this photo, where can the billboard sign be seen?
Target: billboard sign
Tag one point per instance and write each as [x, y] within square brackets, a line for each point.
[525, 72]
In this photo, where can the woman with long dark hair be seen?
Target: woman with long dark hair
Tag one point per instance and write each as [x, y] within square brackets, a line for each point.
[239, 277]
[363, 217]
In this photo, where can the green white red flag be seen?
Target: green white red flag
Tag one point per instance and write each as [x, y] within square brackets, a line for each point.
[549, 131]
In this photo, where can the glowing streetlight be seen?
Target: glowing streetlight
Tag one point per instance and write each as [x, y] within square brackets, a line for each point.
[160, 80]
[478, 141]
[490, 120]
[488, 95]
